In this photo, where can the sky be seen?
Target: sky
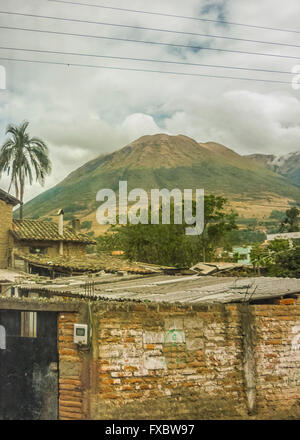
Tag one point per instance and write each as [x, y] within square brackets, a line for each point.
[83, 112]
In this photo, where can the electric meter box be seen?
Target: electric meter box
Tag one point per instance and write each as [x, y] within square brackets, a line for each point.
[81, 334]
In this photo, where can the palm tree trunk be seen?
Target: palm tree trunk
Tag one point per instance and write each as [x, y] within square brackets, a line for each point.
[21, 196]
[16, 189]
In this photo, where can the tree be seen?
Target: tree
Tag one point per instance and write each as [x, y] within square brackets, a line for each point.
[287, 263]
[242, 237]
[168, 244]
[217, 223]
[23, 158]
[278, 258]
[291, 220]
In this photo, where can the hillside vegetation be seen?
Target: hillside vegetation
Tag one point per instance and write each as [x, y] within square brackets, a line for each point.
[163, 161]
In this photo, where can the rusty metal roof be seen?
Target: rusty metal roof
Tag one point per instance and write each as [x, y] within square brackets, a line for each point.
[42, 230]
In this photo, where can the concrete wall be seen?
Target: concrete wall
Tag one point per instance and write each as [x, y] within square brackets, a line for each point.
[74, 249]
[5, 226]
[171, 362]
[24, 246]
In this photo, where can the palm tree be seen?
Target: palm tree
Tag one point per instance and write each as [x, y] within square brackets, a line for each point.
[23, 158]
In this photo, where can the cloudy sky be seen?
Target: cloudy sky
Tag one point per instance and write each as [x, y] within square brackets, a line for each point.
[82, 112]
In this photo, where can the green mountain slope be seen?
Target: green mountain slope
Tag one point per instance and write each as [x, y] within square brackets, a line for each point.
[162, 161]
[287, 165]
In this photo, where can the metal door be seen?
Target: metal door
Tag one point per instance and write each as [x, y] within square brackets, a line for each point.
[28, 365]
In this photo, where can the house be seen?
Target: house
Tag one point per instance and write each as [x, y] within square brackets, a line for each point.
[42, 238]
[7, 203]
[243, 254]
[162, 347]
[8, 278]
[290, 236]
[34, 237]
[284, 236]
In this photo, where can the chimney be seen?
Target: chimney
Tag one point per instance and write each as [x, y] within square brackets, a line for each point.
[61, 230]
[76, 225]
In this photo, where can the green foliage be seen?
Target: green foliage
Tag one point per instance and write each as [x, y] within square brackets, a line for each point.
[287, 263]
[251, 221]
[277, 215]
[86, 225]
[278, 245]
[24, 159]
[90, 249]
[291, 220]
[188, 166]
[168, 244]
[70, 217]
[74, 208]
[35, 217]
[277, 259]
[110, 241]
[217, 224]
[245, 237]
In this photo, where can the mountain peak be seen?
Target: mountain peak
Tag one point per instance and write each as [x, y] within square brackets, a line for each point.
[160, 137]
[288, 165]
[163, 161]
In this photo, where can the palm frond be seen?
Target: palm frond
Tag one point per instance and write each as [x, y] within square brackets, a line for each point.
[24, 158]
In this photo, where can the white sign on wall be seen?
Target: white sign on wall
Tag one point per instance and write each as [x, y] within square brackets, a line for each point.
[296, 339]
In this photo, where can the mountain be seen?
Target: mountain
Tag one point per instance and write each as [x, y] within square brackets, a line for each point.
[287, 165]
[163, 161]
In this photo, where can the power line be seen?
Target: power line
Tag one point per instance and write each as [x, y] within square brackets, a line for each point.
[145, 60]
[145, 70]
[162, 14]
[186, 46]
[147, 28]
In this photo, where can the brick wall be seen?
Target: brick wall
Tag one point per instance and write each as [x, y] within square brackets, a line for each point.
[71, 406]
[177, 362]
[5, 225]
[172, 362]
[278, 358]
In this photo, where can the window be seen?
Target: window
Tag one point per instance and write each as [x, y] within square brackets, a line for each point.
[38, 250]
[29, 324]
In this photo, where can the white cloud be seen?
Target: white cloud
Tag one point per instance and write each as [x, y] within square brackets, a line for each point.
[83, 112]
[139, 124]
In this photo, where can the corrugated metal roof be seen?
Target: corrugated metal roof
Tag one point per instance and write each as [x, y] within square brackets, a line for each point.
[196, 290]
[10, 275]
[42, 230]
[186, 290]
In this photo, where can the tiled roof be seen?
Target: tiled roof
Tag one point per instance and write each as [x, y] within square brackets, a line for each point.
[87, 263]
[8, 198]
[42, 230]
